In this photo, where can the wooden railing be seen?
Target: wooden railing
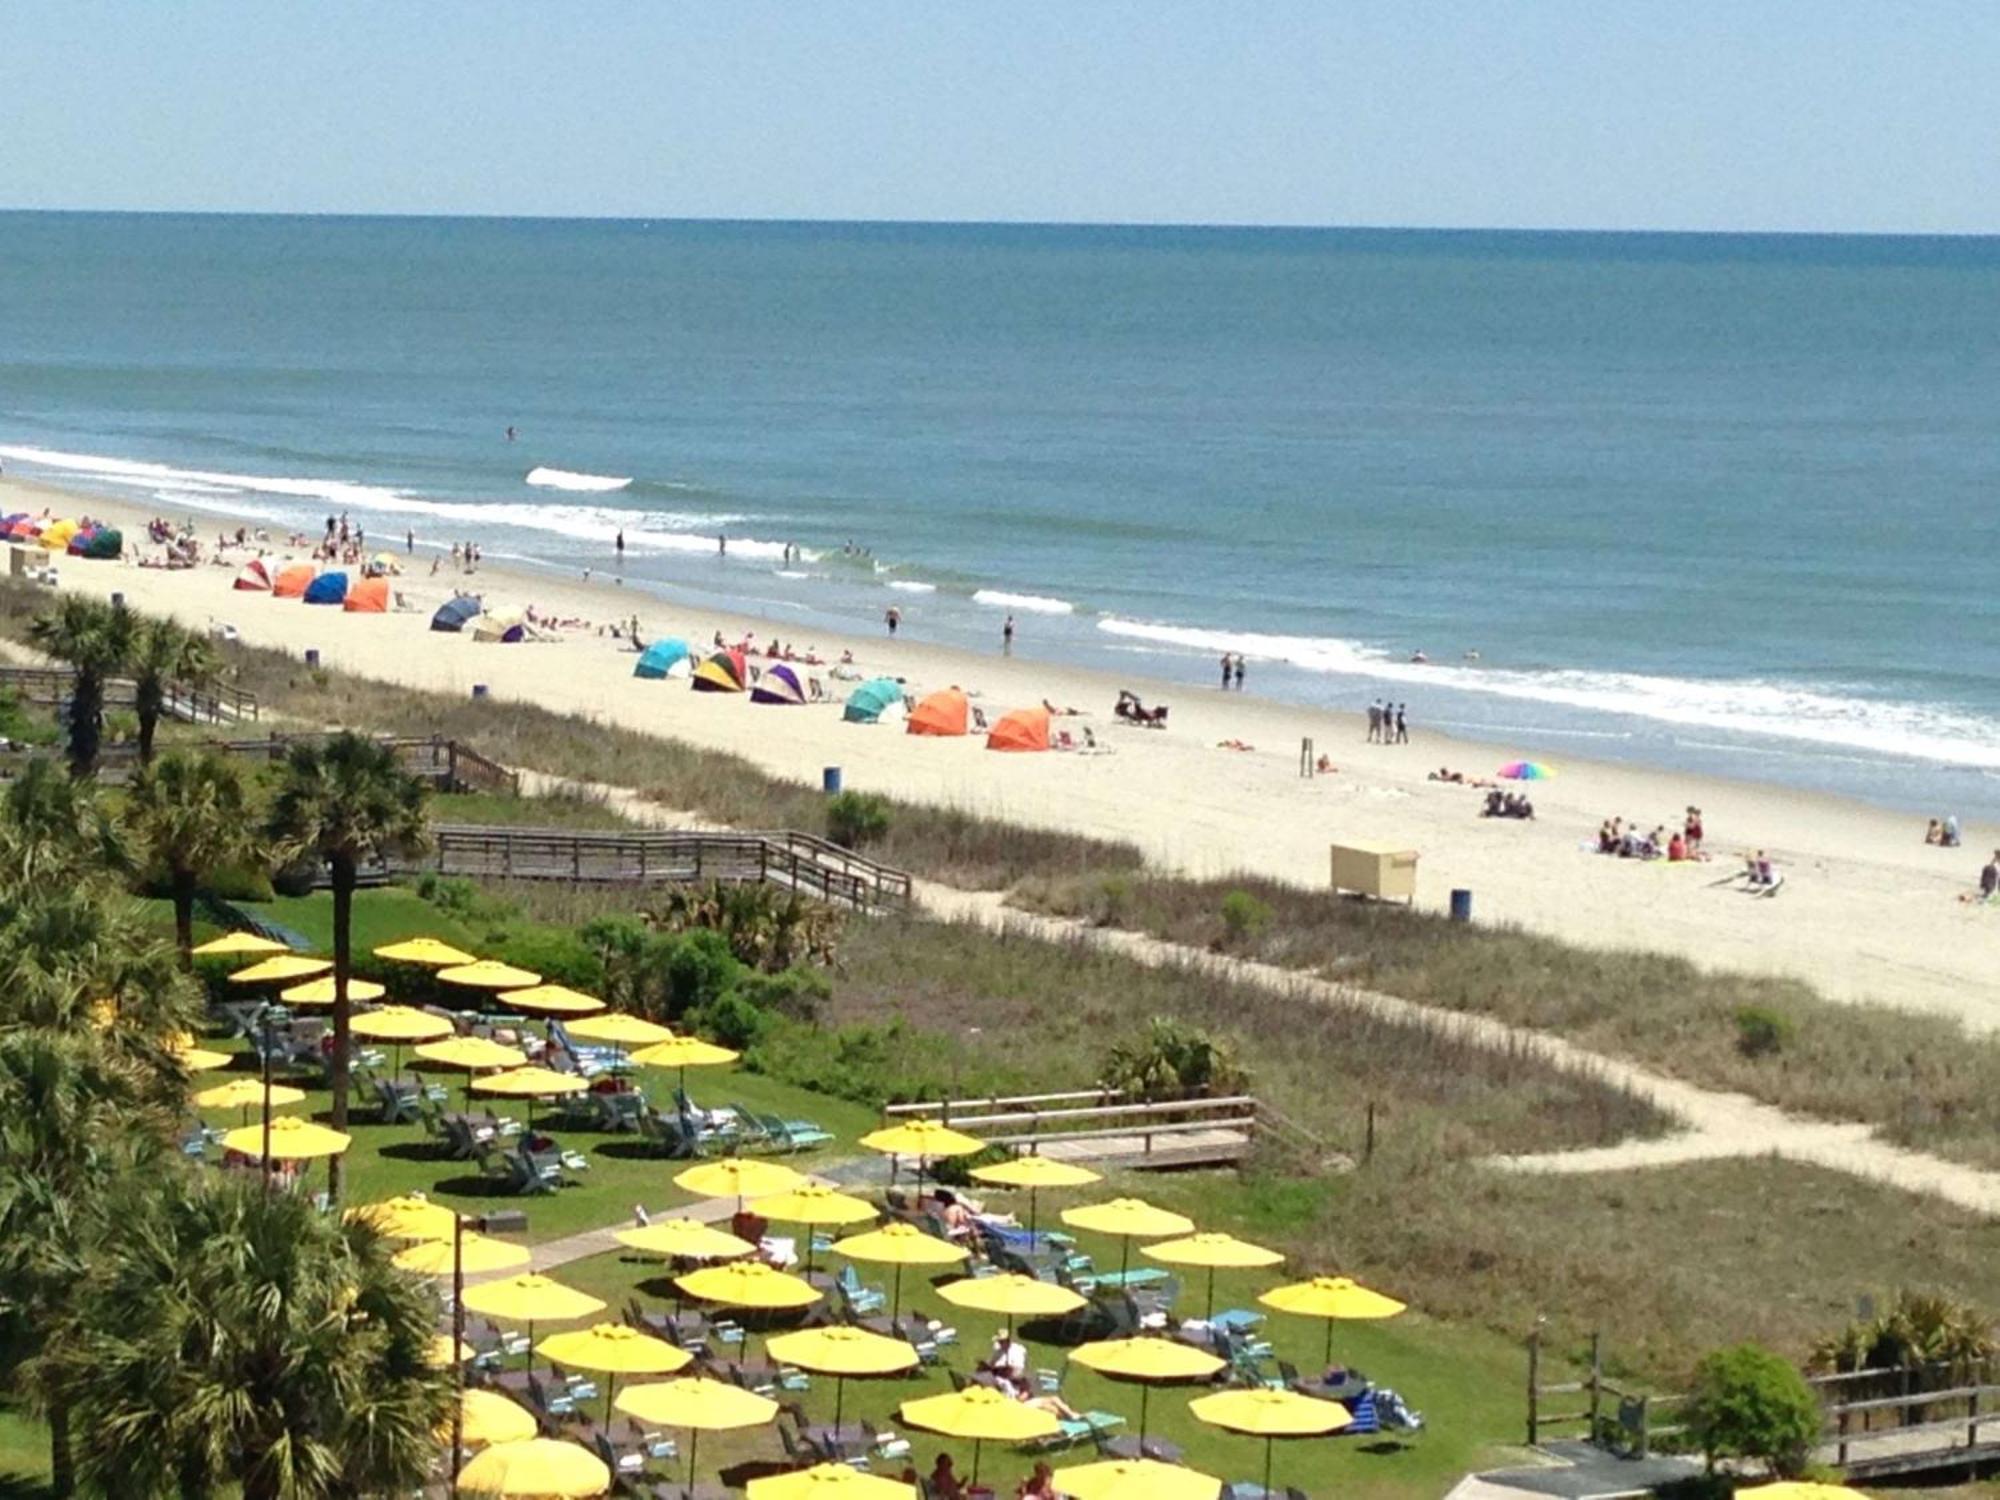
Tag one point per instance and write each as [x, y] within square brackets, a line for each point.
[650, 857]
[51, 687]
[449, 765]
[1172, 1132]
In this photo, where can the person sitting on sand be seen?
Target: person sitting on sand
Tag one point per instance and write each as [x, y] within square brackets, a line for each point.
[1234, 745]
[1948, 836]
[1934, 834]
[944, 1483]
[1677, 849]
[1324, 766]
[1445, 773]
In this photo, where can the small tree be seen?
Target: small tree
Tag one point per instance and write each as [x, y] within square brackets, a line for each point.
[1172, 1060]
[1749, 1403]
[95, 639]
[164, 655]
[1243, 916]
[190, 816]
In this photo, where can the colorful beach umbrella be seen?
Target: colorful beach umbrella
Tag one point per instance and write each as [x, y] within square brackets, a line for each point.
[247, 1093]
[1023, 730]
[724, 672]
[611, 1350]
[1527, 770]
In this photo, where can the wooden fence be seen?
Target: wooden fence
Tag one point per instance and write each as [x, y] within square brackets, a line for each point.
[1102, 1125]
[447, 764]
[51, 687]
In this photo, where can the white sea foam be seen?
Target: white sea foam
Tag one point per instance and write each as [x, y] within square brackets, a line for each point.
[912, 585]
[1034, 604]
[566, 479]
[152, 476]
[789, 573]
[1782, 710]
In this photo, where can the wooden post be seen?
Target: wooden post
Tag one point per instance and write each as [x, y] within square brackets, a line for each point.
[1596, 1381]
[1840, 1451]
[1306, 759]
[1644, 1443]
[1368, 1149]
[1534, 1385]
[1972, 1421]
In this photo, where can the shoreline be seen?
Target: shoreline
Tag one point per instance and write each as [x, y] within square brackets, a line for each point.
[1868, 912]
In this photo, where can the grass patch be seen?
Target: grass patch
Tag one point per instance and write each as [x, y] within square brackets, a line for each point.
[564, 807]
[1921, 1078]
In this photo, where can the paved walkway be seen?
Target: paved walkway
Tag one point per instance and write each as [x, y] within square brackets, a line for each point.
[1714, 1125]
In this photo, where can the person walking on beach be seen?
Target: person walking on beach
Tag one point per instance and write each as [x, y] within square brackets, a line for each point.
[892, 617]
[722, 544]
[409, 541]
[1007, 637]
[1374, 721]
[1239, 671]
[1225, 671]
[1402, 724]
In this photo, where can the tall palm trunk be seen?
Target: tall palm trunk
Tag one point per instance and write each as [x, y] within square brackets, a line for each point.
[343, 949]
[183, 890]
[62, 1461]
[86, 721]
[150, 702]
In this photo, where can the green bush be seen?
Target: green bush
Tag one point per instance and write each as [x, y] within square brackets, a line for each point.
[956, 1171]
[1244, 916]
[297, 878]
[732, 1020]
[797, 994]
[868, 1064]
[698, 967]
[1762, 1032]
[1750, 1403]
[1172, 1060]
[228, 883]
[559, 955]
[856, 818]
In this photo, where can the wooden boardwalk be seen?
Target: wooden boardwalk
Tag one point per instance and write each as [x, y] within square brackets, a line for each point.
[51, 687]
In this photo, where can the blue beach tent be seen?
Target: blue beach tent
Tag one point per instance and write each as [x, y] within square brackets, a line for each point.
[454, 614]
[667, 658]
[328, 588]
[875, 700]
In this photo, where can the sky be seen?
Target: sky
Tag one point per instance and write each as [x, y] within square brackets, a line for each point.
[1835, 115]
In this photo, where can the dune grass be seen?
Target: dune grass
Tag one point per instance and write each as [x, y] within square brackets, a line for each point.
[1922, 1079]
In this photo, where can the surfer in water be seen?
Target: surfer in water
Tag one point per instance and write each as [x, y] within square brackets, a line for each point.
[510, 434]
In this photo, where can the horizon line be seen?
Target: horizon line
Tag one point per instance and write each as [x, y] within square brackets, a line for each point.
[786, 221]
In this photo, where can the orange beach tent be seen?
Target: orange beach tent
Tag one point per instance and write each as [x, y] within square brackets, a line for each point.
[368, 597]
[254, 577]
[1023, 729]
[945, 713]
[293, 580]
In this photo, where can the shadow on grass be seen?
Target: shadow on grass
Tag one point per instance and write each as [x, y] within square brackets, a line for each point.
[414, 1151]
[629, 1150]
[21, 1487]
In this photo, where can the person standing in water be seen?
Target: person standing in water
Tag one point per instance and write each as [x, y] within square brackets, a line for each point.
[621, 544]
[1007, 637]
[722, 544]
[1226, 664]
[892, 618]
[1239, 671]
[409, 541]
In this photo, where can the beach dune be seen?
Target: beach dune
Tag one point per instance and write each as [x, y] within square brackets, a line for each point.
[1868, 912]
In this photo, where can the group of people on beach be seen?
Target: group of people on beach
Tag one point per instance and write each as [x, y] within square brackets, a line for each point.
[1501, 804]
[1943, 832]
[1232, 671]
[1388, 723]
[1623, 839]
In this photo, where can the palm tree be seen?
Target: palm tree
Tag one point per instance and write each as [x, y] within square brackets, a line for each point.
[189, 814]
[96, 640]
[346, 802]
[54, 830]
[229, 1334]
[72, 1124]
[165, 655]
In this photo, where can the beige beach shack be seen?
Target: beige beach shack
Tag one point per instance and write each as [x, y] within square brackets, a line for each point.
[1387, 872]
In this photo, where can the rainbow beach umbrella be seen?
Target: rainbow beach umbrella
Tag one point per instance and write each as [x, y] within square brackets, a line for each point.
[1527, 770]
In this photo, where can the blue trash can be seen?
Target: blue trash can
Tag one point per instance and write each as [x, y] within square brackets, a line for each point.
[312, 656]
[1461, 906]
[479, 690]
[829, 781]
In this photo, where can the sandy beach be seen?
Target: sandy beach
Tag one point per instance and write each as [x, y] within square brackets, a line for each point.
[1868, 912]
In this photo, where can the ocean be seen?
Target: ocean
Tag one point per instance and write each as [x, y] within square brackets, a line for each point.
[1723, 503]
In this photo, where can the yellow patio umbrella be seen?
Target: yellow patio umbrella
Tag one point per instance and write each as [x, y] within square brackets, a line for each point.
[398, 1024]
[1135, 1479]
[1011, 1296]
[199, 1059]
[286, 966]
[530, 1298]
[1333, 1298]
[1215, 1252]
[738, 1178]
[471, 1054]
[699, 1405]
[614, 1349]
[1147, 1362]
[291, 1139]
[408, 1216]
[684, 1052]
[438, 1354]
[843, 1351]
[481, 1255]
[979, 1414]
[235, 943]
[243, 1093]
[1270, 1414]
[529, 1083]
[621, 1030]
[828, 1482]
[489, 1417]
[320, 991]
[1129, 1219]
[538, 1469]
[423, 950]
[813, 1203]
[685, 1239]
[1800, 1489]
[554, 1000]
[1035, 1173]
[901, 1245]
[923, 1139]
[747, 1283]
[489, 974]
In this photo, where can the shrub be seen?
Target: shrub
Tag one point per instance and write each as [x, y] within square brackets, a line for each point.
[1243, 916]
[856, 818]
[1761, 1031]
[1172, 1060]
[797, 994]
[557, 954]
[956, 1171]
[297, 878]
[732, 1020]
[698, 967]
[1750, 1403]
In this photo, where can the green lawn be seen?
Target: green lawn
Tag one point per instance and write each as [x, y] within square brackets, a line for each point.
[24, 1457]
